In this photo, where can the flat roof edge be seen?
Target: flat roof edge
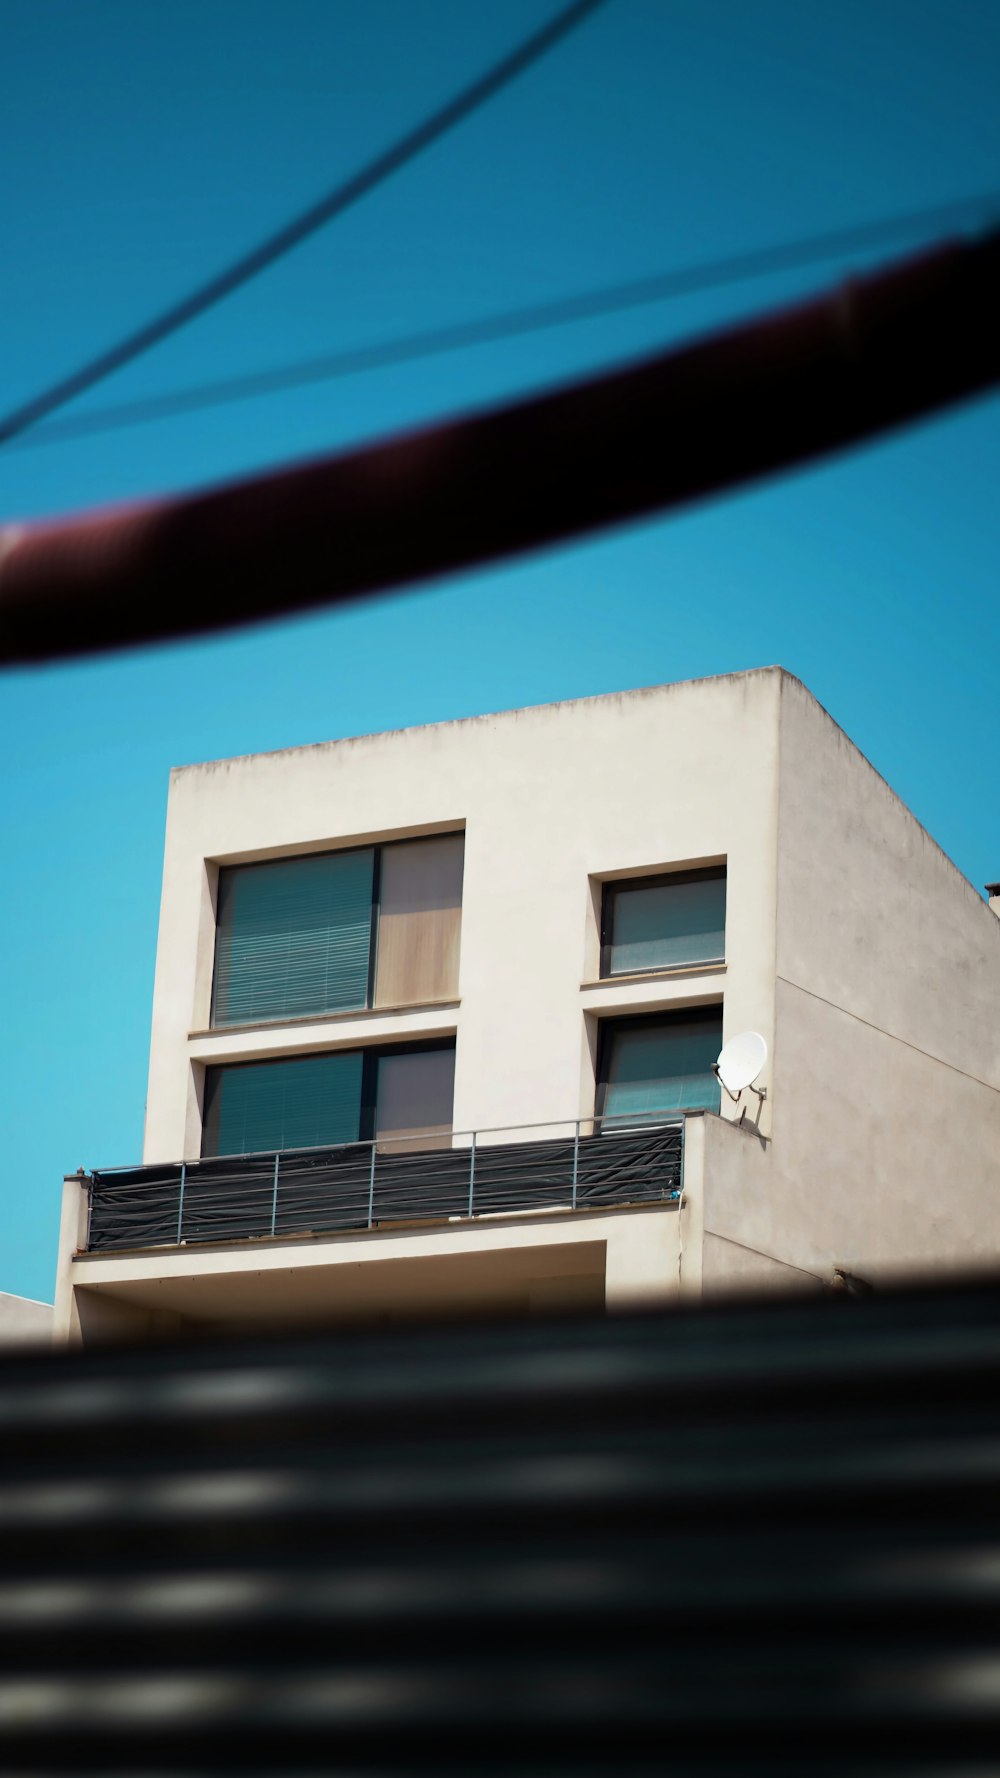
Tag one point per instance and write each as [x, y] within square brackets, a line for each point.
[605, 697]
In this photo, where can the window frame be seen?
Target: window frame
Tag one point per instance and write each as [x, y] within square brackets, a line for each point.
[376, 848]
[704, 1013]
[613, 886]
[368, 1106]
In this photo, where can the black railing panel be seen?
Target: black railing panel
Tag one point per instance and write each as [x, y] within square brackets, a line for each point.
[630, 1166]
[323, 1190]
[226, 1198]
[428, 1186]
[137, 1208]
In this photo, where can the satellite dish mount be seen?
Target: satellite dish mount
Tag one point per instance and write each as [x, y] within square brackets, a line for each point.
[740, 1062]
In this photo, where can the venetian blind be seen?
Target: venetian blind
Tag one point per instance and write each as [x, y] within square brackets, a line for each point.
[665, 924]
[306, 1102]
[664, 1066]
[293, 937]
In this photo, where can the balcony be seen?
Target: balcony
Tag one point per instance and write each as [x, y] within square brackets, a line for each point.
[492, 1173]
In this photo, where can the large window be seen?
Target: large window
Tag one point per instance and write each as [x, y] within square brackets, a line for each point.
[336, 931]
[663, 922]
[402, 1096]
[650, 1068]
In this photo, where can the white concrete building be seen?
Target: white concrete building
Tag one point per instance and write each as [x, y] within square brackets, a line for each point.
[435, 1013]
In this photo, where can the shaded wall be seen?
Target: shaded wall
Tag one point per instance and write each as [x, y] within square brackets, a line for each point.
[886, 1067]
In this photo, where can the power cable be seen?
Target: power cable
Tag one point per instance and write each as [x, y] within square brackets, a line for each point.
[609, 299]
[293, 233]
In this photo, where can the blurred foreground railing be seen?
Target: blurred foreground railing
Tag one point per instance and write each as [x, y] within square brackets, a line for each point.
[360, 1184]
[754, 1540]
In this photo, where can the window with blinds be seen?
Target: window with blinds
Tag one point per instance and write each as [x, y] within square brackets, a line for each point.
[338, 931]
[305, 1102]
[663, 922]
[652, 1068]
[401, 1094]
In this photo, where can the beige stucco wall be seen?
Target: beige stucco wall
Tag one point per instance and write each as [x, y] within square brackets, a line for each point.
[886, 1068]
[23, 1321]
[550, 798]
[506, 1265]
[872, 915]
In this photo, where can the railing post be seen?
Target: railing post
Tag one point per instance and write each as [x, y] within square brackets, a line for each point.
[371, 1188]
[274, 1194]
[576, 1159]
[180, 1202]
[472, 1171]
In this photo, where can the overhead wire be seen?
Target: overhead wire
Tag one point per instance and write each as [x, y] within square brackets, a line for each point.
[275, 246]
[695, 279]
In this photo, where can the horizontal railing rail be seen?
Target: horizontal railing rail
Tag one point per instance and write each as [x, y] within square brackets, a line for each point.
[434, 1176]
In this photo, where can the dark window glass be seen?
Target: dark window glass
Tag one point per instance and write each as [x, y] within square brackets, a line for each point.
[402, 1094]
[664, 922]
[653, 1067]
[414, 1094]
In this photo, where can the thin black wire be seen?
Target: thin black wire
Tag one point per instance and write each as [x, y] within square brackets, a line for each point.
[249, 265]
[689, 280]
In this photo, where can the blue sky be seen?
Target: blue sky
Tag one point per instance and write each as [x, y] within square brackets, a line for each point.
[146, 146]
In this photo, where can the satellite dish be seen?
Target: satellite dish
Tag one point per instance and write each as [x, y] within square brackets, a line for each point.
[740, 1061]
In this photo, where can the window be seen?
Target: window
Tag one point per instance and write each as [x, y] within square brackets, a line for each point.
[654, 1067]
[401, 1095]
[663, 922]
[338, 931]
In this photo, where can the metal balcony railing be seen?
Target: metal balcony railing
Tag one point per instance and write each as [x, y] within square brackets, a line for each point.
[362, 1185]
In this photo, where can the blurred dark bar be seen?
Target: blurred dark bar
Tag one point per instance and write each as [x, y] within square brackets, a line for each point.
[873, 354]
[752, 1538]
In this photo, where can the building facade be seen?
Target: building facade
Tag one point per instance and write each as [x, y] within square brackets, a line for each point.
[436, 1012]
